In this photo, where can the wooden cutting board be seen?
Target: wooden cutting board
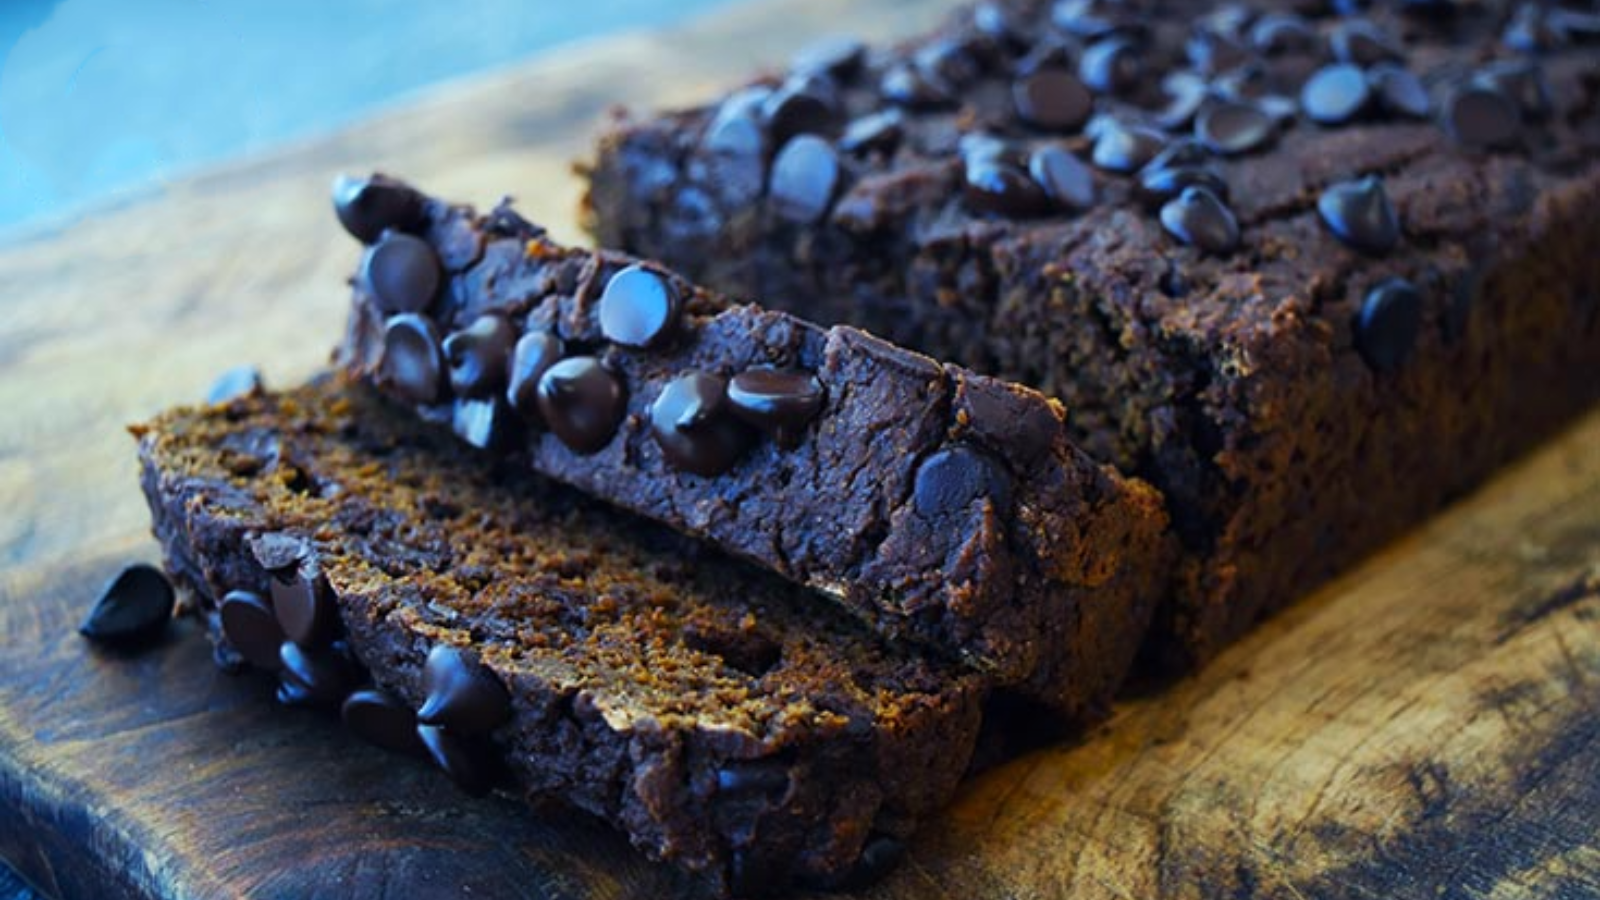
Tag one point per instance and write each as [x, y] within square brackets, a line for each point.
[1429, 726]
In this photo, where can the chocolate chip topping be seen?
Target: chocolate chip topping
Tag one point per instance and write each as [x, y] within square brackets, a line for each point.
[250, 625]
[1522, 81]
[952, 479]
[367, 207]
[1361, 43]
[1124, 148]
[1157, 185]
[1232, 127]
[534, 354]
[1111, 66]
[478, 355]
[582, 402]
[780, 402]
[402, 272]
[906, 86]
[1198, 218]
[412, 365]
[639, 308]
[1278, 34]
[995, 185]
[1386, 327]
[839, 56]
[1335, 94]
[805, 178]
[460, 694]
[1479, 115]
[1065, 179]
[322, 676]
[1400, 92]
[1359, 213]
[1053, 99]
[306, 609]
[483, 422]
[804, 104]
[694, 425]
[468, 763]
[379, 718]
[879, 131]
[133, 608]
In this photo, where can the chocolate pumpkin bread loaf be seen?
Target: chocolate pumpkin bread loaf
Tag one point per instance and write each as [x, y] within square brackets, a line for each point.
[1311, 268]
[942, 506]
[723, 721]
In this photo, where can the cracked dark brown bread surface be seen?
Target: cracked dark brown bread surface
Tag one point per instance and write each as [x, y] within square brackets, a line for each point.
[1290, 425]
[707, 709]
[943, 507]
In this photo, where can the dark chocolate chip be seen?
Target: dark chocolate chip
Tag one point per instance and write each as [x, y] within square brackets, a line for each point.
[1111, 66]
[469, 763]
[982, 147]
[1360, 42]
[839, 56]
[1247, 82]
[779, 402]
[1530, 30]
[582, 402]
[402, 272]
[753, 777]
[737, 134]
[805, 178]
[1087, 19]
[460, 694]
[133, 608]
[483, 422]
[306, 609]
[1359, 213]
[367, 207]
[998, 21]
[1125, 148]
[1065, 179]
[237, 382]
[906, 86]
[1053, 99]
[478, 355]
[1335, 94]
[1399, 92]
[639, 308]
[1479, 115]
[322, 675]
[693, 424]
[1387, 326]
[411, 365]
[804, 104]
[380, 718]
[1187, 92]
[952, 479]
[1198, 218]
[1180, 152]
[1212, 53]
[1156, 186]
[879, 131]
[1230, 127]
[1521, 80]
[534, 354]
[948, 62]
[1000, 187]
[1283, 110]
[250, 625]
[1277, 34]
[291, 693]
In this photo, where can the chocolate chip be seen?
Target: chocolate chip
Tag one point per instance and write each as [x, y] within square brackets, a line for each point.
[979, 146]
[380, 718]
[1360, 42]
[1479, 115]
[1529, 30]
[1124, 148]
[1198, 218]
[402, 272]
[947, 62]
[639, 308]
[879, 131]
[534, 354]
[1247, 82]
[1276, 34]
[306, 609]
[1111, 66]
[999, 22]
[753, 777]
[1399, 92]
[839, 56]
[411, 365]
[1065, 179]
[779, 402]
[1088, 19]
[1187, 93]
[1359, 213]
[1211, 53]
[1230, 127]
[250, 625]
[460, 694]
[483, 422]
[290, 693]
[582, 402]
[694, 426]
[237, 382]
[478, 355]
[469, 763]
[322, 675]
[1157, 185]
[804, 104]
[906, 86]
[367, 207]
[1522, 81]
[133, 608]
[952, 479]
[1000, 187]
[737, 134]
[805, 178]
[1180, 152]
[1335, 94]
[1053, 99]
[1386, 328]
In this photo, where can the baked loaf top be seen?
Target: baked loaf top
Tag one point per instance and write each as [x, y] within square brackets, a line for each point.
[709, 710]
[940, 505]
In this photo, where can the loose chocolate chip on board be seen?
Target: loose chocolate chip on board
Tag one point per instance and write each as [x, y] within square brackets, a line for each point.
[133, 608]
[367, 207]
[1359, 214]
[1065, 179]
[251, 627]
[1231, 127]
[694, 425]
[582, 402]
[469, 763]
[1386, 327]
[461, 694]
[1199, 218]
[779, 402]
[402, 272]
[306, 609]
[639, 308]
[380, 718]
[533, 355]
[1335, 94]
[478, 355]
[805, 177]
[1053, 99]
[411, 365]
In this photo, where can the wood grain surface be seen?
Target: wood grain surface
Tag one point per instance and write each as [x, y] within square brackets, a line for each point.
[1428, 726]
